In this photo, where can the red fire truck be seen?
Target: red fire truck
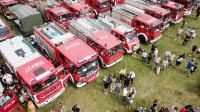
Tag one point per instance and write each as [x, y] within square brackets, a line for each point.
[117, 2]
[4, 32]
[60, 44]
[100, 6]
[148, 28]
[177, 10]
[187, 5]
[122, 31]
[93, 33]
[29, 2]
[4, 4]
[78, 8]
[42, 80]
[8, 101]
[53, 11]
[153, 10]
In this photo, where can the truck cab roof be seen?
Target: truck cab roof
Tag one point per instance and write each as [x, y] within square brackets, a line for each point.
[173, 5]
[80, 6]
[158, 10]
[59, 10]
[149, 20]
[77, 56]
[17, 51]
[54, 33]
[8, 2]
[96, 32]
[35, 70]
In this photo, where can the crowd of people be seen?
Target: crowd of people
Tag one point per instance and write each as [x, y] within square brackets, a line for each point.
[155, 107]
[121, 82]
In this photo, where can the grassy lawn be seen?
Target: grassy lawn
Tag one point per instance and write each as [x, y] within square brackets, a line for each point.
[171, 87]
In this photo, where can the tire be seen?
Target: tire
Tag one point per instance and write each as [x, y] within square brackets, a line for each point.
[142, 39]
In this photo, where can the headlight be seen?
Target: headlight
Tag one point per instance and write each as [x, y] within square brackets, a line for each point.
[93, 64]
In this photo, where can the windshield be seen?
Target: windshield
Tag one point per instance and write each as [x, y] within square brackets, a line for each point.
[38, 87]
[103, 4]
[131, 36]
[166, 17]
[5, 98]
[87, 68]
[113, 51]
[3, 31]
[65, 17]
[157, 28]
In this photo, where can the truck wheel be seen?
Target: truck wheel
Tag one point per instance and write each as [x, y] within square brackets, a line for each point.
[142, 39]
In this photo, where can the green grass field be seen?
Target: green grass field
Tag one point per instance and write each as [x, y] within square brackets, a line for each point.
[171, 87]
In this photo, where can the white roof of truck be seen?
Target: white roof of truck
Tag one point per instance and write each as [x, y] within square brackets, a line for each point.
[17, 51]
[115, 24]
[55, 33]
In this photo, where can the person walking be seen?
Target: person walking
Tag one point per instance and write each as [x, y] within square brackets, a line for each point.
[106, 86]
[193, 68]
[126, 81]
[113, 81]
[125, 93]
[194, 49]
[183, 24]
[122, 73]
[186, 39]
[189, 65]
[132, 76]
[178, 33]
[31, 106]
[118, 87]
[154, 106]
[144, 56]
[198, 12]
[76, 108]
[179, 60]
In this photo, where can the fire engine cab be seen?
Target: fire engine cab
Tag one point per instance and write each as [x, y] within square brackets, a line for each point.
[187, 5]
[177, 10]
[4, 32]
[29, 2]
[4, 4]
[153, 10]
[8, 101]
[93, 33]
[35, 73]
[78, 8]
[60, 44]
[100, 6]
[52, 10]
[122, 31]
[148, 28]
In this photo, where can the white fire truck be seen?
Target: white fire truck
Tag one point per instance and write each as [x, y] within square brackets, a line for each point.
[122, 31]
[93, 33]
[60, 44]
[148, 28]
[35, 73]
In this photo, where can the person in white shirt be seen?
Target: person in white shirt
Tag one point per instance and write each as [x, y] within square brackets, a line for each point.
[144, 56]
[132, 76]
[125, 92]
[122, 73]
[8, 79]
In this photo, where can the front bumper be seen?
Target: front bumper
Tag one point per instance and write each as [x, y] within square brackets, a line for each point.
[113, 63]
[50, 99]
[156, 39]
[176, 21]
[81, 84]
